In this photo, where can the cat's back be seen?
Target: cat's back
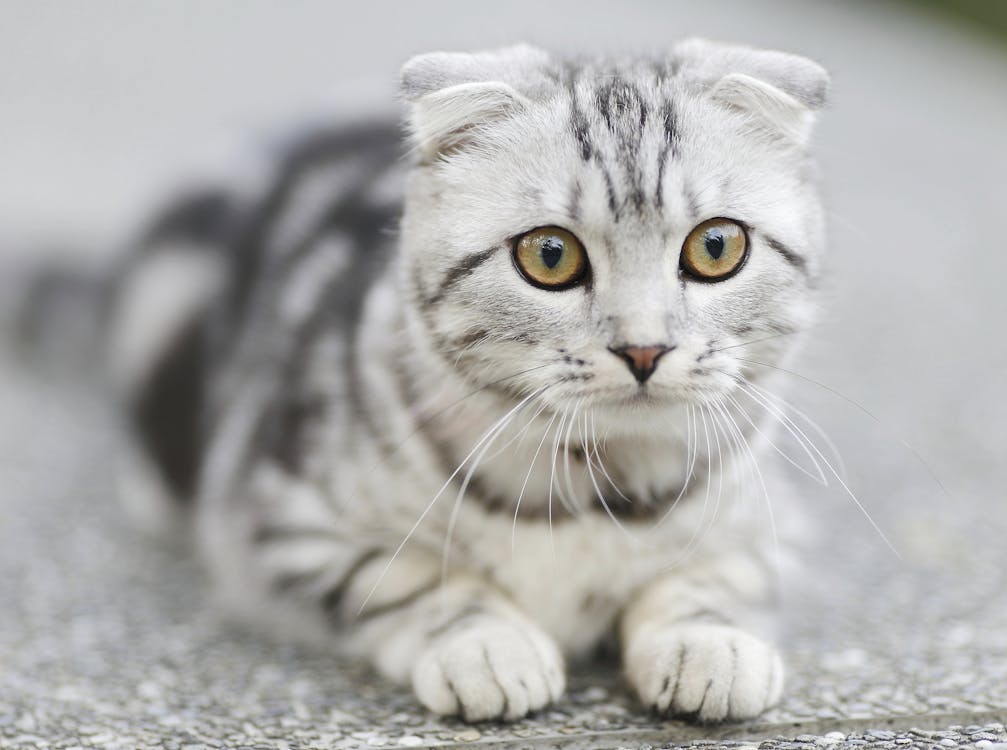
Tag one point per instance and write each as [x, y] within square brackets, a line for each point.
[235, 280]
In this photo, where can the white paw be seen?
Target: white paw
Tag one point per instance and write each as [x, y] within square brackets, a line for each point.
[487, 667]
[710, 672]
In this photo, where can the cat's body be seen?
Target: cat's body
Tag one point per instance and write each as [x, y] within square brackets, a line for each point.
[405, 434]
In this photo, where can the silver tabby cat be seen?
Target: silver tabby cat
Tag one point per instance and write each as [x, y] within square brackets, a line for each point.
[468, 412]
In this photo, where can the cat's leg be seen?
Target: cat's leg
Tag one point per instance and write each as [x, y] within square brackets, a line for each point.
[684, 650]
[462, 645]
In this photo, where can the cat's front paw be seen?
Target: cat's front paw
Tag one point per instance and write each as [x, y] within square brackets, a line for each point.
[488, 667]
[706, 672]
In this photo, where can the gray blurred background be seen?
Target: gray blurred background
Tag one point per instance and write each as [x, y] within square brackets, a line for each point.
[106, 105]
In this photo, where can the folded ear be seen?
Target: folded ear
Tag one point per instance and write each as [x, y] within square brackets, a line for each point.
[452, 93]
[781, 90]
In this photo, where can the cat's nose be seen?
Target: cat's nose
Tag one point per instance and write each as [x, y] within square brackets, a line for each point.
[641, 360]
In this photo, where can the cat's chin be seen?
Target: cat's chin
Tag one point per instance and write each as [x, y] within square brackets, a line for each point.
[629, 401]
[640, 412]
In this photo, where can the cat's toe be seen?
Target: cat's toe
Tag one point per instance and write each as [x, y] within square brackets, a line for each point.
[706, 672]
[489, 668]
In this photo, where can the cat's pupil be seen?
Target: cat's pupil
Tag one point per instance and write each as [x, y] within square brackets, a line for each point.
[552, 251]
[714, 241]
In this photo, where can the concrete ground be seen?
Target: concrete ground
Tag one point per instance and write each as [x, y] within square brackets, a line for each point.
[108, 640]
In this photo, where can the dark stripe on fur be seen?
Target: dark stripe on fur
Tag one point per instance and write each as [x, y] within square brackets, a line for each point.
[171, 412]
[792, 257]
[404, 601]
[613, 203]
[470, 611]
[669, 146]
[168, 411]
[272, 534]
[285, 429]
[459, 271]
[578, 122]
[332, 599]
[691, 201]
[205, 216]
[286, 583]
[573, 202]
[307, 153]
[625, 114]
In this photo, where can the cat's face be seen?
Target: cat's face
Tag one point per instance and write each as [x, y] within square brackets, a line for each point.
[617, 235]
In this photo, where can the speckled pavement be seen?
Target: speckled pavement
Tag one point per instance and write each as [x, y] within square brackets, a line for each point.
[108, 639]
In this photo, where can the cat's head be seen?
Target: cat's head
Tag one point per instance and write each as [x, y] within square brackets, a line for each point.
[622, 234]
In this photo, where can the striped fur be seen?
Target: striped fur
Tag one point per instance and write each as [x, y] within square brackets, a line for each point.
[386, 433]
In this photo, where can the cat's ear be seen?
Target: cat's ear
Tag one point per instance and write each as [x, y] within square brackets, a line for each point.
[452, 94]
[781, 90]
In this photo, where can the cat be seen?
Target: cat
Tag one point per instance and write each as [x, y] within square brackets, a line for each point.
[468, 408]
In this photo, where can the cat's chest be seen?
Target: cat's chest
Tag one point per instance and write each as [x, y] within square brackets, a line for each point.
[576, 574]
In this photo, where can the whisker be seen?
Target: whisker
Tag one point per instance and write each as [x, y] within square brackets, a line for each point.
[759, 341]
[604, 503]
[821, 478]
[568, 474]
[398, 550]
[780, 401]
[527, 476]
[743, 443]
[690, 546]
[703, 530]
[456, 508]
[866, 411]
[422, 423]
[691, 450]
[601, 464]
[553, 479]
[851, 494]
[747, 387]
[519, 436]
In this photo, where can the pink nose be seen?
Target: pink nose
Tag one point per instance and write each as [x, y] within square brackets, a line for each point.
[641, 360]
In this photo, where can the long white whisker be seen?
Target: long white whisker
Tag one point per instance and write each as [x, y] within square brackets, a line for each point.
[821, 478]
[699, 531]
[527, 476]
[601, 464]
[779, 401]
[518, 437]
[429, 418]
[846, 488]
[732, 424]
[604, 503]
[568, 474]
[748, 388]
[759, 341]
[554, 480]
[398, 550]
[456, 508]
[861, 407]
[692, 450]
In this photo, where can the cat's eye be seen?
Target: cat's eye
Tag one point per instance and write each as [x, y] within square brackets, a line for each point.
[551, 258]
[714, 250]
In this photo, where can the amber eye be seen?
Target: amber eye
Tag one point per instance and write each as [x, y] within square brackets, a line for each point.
[715, 250]
[550, 257]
